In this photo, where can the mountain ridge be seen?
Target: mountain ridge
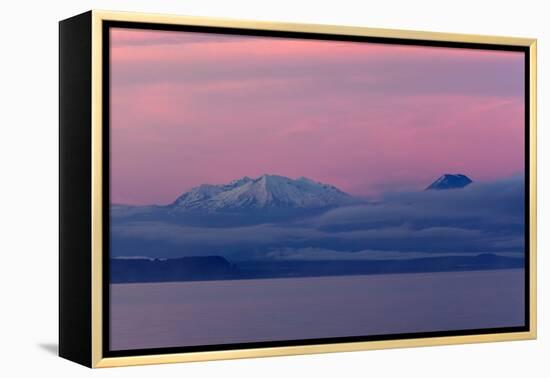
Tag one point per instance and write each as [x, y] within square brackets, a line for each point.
[450, 181]
[265, 191]
[269, 191]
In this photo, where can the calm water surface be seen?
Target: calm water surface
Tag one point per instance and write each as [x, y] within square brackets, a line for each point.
[154, 315]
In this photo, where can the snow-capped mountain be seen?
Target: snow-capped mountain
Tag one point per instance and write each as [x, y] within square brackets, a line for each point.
[450, 181]
[266, 191]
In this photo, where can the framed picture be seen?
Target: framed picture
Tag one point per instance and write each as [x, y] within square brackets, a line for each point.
[235, 189]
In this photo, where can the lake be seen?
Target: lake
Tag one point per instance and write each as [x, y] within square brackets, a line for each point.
[155, 315]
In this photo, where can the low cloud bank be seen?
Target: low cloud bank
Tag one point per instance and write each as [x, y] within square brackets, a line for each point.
[481, 218]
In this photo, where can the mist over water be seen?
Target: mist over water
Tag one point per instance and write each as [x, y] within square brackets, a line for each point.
[480, 218]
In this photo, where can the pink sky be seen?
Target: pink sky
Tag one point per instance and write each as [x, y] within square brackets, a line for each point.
[193, 108]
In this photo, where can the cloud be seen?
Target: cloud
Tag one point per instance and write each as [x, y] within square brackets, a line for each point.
[481, 218]
[479, 205]
[208, 102]
[138, 38]
[148, 57]
[320, 254]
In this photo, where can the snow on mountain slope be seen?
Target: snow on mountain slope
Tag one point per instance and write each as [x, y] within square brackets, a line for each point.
[266, 191]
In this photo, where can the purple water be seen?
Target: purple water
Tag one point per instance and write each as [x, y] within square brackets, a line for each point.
[157, 315]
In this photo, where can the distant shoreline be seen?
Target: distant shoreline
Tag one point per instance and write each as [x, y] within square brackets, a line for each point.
[315, 277]
[217, 268]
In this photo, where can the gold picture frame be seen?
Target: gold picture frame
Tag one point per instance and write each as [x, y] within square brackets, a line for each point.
[81, 340]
